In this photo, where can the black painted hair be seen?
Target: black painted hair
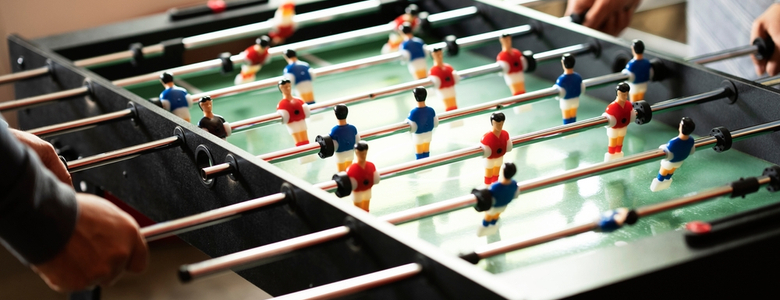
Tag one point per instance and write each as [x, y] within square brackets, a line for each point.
[498, 117]
[638, 46]
[568, 60]
[290, 53]
[622, 87]
[509, 170]
[420, 94]
[413, 10]
[687, 125]
[263, 41]
[341, 111]
[361, 146]
[436, 50]
[166, 77]
[406, 28]
[282, 82]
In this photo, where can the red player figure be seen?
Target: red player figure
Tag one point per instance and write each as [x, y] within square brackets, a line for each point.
[513, 64]
[495, 144]
[294, 113]
[284, 25]
[255, 57]
[620, 113]
[396, 37]
[444, 78]
[362, 175]
[214, 124]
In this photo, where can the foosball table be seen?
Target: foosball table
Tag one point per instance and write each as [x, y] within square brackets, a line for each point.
[260, 202]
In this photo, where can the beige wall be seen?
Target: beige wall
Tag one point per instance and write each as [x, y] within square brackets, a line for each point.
[38, 18]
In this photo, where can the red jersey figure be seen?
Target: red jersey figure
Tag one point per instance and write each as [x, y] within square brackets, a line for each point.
[495, 144]
[363, 176]
[620, 113]
[444, 78]
[513, 64]
[255, 57]
[294, 113]
[396, 38]
[283, 23]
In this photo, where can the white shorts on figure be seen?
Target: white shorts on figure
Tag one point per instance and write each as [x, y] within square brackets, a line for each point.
[567, 104]
[358, 197]
[668, 165]
[303, 87]
[345, 156]
[496, 210]
[296, 126]
[614, 133]
[448, 92]
[182, 112]
[635, 88]
[512, 78]
[422, 138]
[491, 163]
[418, 64]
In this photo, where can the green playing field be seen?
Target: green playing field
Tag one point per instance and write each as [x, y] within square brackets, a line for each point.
[531, 214]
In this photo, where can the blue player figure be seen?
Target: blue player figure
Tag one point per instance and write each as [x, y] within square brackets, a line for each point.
[503, 191]
[344, 137]
[414, 53]
[422, 120]
[570, 87]
[639, 71]
[677, 150]
[174, 98]
[297, 72]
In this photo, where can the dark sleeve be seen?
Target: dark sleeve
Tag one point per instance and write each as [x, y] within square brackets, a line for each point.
[37, 212]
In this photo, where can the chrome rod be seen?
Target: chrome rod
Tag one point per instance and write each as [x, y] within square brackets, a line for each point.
[357, 284]
[42, 99]
[208, 218]
[769, 81]
[430, 209]
[81, 124]
[346, 66]
[8, 78]
[722, 55]
[675, 104]
[121, 154]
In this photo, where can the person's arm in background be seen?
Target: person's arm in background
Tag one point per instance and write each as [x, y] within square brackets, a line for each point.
[768, 25]
[608, 16]
[73, 241]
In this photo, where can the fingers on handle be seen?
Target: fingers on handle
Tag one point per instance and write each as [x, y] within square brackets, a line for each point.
[139, 258]
[597, 15]
[759, 30]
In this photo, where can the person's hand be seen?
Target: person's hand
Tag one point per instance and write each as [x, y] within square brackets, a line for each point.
[105, 243]
[767, 25]
[608, 16]
[46, 154]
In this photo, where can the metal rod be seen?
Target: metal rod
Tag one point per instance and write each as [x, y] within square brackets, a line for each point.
[38, 100]
[769, 81]
[725, 54]
[675, 104]
[393, 90]
[8, 78]
[120, 155]
[357, 284]
[81, 124]
[512, 245]
[361, 63]
[317, 43]
[208, 218]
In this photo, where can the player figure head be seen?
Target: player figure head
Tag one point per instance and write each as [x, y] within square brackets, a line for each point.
[638, 47]
[406, 29]
[412, 10]
[361, 150]
[288, 9]
[568, 61]
[341, 111]
[687, 126]
[262, 42]
[205, 105]
[166, 79]
[438, 57]
[508, 172]
[290, 56]
[506, 42]
[285, 87]
[622, 92]
[497, 121]
[420, 94]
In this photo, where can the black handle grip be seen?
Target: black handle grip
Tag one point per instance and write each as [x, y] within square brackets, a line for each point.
[766, 47]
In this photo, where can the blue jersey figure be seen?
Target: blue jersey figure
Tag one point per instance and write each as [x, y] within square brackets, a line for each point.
[570, 87]
[414, 52]
[677, 150]
[299, 74]
[639, 71]
[344, 137]
[613, 220]
[503, 191]
[174, 98]
[423, 120]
